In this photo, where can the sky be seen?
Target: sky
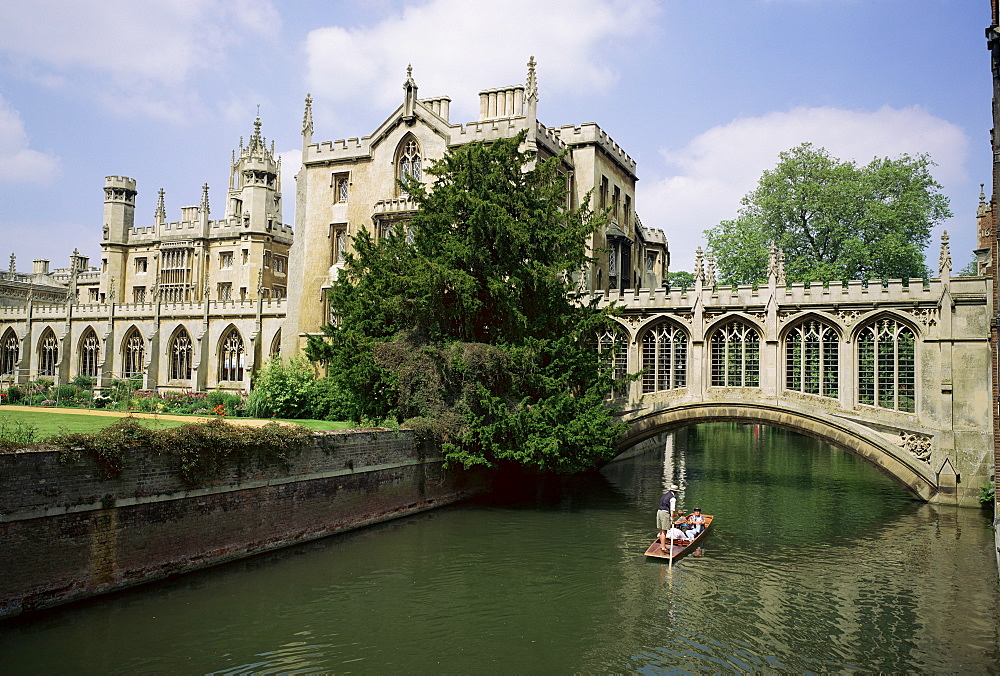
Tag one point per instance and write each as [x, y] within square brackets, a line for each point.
[703, 95]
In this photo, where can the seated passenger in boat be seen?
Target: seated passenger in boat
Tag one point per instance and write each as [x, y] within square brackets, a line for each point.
[675, 533]
[695, 522]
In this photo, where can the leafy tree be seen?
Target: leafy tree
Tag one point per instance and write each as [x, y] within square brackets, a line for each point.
[460, 323]
[680, 279]
[834, 220]
[971, 269]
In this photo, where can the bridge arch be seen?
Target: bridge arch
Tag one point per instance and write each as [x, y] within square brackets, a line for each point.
[856, 439]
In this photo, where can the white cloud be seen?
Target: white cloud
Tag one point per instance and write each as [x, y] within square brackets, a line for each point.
[18, 162]
[718, 167]
[144, 53]
[457, 47]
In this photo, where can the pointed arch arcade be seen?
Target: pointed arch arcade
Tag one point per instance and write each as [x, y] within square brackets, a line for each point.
[735, 355]
[664, 357]
[133, 354]
[887, 364]
[90, 353]
[10, 352]
[232, 356]
[48, 353]
[181, 354]
[812, 358]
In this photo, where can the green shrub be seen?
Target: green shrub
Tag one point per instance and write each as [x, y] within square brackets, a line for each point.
[987, 494]
[282, 390]
[327, 401]
[14, 394]
[14, 433]
[83, 382]
[65, 392]
[233, 403]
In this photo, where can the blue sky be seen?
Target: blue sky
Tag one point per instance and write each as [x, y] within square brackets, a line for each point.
[703, 95]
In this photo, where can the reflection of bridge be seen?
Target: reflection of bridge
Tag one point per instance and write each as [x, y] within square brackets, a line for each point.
[897, 373]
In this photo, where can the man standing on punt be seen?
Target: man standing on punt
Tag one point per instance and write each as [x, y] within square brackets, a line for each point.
[666, 512]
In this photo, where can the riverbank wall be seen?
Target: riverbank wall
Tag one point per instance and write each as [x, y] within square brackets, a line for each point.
[67, 533]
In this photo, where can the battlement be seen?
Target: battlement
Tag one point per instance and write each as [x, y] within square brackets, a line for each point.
[122, 182]
[590, 134]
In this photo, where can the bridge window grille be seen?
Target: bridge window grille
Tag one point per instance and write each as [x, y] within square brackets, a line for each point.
[48, 354]
[135, 353]
[181, 353]
[10, 352]
[664, 359]
[231, 357]
[90, 354]
[615, 345]
[887, 366]
[735, 355]
[811, 359]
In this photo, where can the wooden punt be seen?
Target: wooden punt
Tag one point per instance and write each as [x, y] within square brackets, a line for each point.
[679, 548]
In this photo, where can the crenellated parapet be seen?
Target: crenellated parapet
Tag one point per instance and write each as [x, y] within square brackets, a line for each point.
[591, 134]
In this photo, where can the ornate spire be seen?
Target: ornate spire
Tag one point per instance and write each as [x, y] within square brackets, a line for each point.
[699, 267]
[410, 98]
[772, 262]
[532, 83]
[12, 261]
[204, 198]
[161, 210]
[781, 267]
[710, 270]
[307, 117]
[944, 261]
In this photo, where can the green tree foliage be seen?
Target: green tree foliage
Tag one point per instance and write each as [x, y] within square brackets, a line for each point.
[834, 220]
[460, 322]
[292, 390]
[971, 269]
[680, 279]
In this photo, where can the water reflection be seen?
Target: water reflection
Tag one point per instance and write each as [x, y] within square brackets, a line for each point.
[817, 563]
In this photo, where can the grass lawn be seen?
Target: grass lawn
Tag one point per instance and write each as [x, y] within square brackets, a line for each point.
[54, 422]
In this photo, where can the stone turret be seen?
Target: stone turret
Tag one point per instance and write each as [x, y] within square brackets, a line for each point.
[119, 208]
[254, 190]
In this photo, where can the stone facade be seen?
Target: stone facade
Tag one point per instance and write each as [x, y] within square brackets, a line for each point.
[200, 303]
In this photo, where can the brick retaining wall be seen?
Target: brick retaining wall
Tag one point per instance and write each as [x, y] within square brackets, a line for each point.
[66, 533]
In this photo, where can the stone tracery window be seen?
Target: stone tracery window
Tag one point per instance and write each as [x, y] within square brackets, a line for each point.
[48, 353]
[231, 356]
[887, 365]
[134, 354]
[90, 353]
[409, 163]
[664, 358]
[10, 353]
[735, 355]
[812, 351]
[181, 352]
[615, 344]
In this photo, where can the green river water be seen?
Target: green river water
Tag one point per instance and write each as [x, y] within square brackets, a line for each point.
[816, 563]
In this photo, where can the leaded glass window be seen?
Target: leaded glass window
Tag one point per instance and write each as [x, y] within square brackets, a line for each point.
[409, 164]
[812, 351]
[90, 354]
[887, 365]
[616, 346]
[664, 358]
[135, 353]
[48, 354]
[735, 355]
[231, 356]
[181, 353]
[10, 353]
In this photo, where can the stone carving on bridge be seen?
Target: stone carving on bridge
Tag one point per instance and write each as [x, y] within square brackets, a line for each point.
[919, 446]
[926, 316]
[848, 316]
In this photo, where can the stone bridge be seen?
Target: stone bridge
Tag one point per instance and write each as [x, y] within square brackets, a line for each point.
[897, 372]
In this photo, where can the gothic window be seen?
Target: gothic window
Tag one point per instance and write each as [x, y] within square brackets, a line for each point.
[280, 265]
[175, 274]
[279, 291]
[409, 163]
[134, 354]
[181, 353]
[10, 353]
[275, 351]
[231, 356]
[735, 355]
[140, 265]
[887, 365]
[342, 184]
[615, 344]
[90, 354]
[138, 294]
[664, 358]
[226, 259]
[339, 242]
[225, 290]
[48, 354]
[812, 351]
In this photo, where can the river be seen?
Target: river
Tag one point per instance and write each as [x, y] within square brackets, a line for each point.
[816, 563]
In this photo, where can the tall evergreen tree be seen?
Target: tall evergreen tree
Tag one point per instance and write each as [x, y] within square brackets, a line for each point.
[461, 322]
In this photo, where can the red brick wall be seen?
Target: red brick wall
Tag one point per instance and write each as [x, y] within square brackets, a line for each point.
[58, 542]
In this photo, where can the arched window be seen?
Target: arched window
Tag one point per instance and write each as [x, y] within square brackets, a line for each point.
[735, 355]
[664, 358]
[48, 353]
[887, 365]
[134, 353]
[616, 346]
[10, 353]
[231, 356]
[181, 353]
[409, 163]
[812, 352]
[275, 351]
[90, 354]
